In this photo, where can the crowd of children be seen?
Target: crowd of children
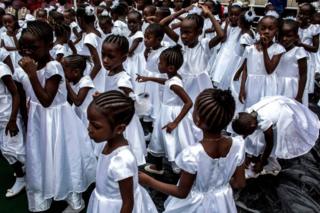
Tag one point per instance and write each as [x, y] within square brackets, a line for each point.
[88, 91]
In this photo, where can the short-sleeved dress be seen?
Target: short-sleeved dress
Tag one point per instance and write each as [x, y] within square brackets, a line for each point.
[186, 133]
[112, 168]
[64, 50]
[259, 83]
[8, 41]
[96, 42]
[12, 148]
[306, 37]
[3, 54]
[295, 127]
[288, 73]
[59, 162]
[134, 131]
[193, 71]
[211, 191]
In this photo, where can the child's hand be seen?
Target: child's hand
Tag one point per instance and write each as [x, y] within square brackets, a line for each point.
[264, 41]
[144, 179]
[151, 19]
[28, 65]
[170, 127]
[258, 167]
[12, 128]
[242, 96]
[141, 79]
[205, 10]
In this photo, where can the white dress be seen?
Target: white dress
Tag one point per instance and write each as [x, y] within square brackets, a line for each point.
[259, 83]
[134, 131]
[120, 28]
[3, 54]
[152, 88]
[96, 42]
[112, 168]
[60, 163]
[211, 191]
[136, 63]
[74, 25]
[288, 73]
[295, 127]
[227, 59]
[9, 42]
[186, 133]
[193, 71]
[306, 36]
[12, 148]
[64, 50]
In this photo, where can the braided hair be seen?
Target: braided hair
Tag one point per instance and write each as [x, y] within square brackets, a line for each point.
[40, 29]
[61, 30]
[215, 108]
[116, 106]
[81, 13]
[121, 9]
[76, 62]
[120, 41]
[156, 30]
[173, 56]
[197, 19]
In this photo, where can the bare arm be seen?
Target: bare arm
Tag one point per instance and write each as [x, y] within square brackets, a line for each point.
[134, 45]
[302, 64]
[96, 61]
[238, 179]
[270, 64]
[126, 192]
[8, 62]
[141, 79]
[186, 100]
[242, 94]
[77, 99]
[311, 48]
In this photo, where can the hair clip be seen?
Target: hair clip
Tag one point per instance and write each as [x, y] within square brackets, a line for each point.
[239, 4]
[250, 16]
[115, 3]
[272, 13]
[89, 10]
[290, 18]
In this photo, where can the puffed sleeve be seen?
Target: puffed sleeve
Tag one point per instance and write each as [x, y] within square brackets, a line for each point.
[174, 81]
[61, 50]
[315, 30]
[240, 154]
[187, 160]
[122, 166]
[4, 70]
[86, 81]
[246, 39]
[300, 53]
[138, 34]
[53, 68]
[246, 51]
[276, 50]
[264, 123]
[124, 81]
[91, 39]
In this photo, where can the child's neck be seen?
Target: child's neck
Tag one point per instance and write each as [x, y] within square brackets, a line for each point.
[211, 136]
[157, 46]
[171, 75]
[90, 29]
[43, 62]
[114, 143]
[194, 43]
[75, 81]
[116, 70]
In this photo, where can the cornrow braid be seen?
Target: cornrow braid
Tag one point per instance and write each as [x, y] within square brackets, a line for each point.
[61, 29]
[118, 107]
[40, 29]
[173, 56]
[196, 18]
[76, 62]
[119, 40]
[215, 108]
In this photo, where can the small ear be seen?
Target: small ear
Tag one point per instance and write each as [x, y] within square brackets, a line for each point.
[199, 31]
[124, 57]
[119, 129]
[171, 68]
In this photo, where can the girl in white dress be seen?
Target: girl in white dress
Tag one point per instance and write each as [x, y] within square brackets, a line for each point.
[91, 46]
[292, 69]
[118, 13]
[173, 129]
[70, 20]
[114, 52]
[135, 62]
[196, 53]
[60, 164]
[277, 127]
[261, 59]
[62, 46]
[117, 188]
[227, 60]
[309, 40]
[80, 87]
[105, 25]
[9, 39]
[11, 129]
[211, 168]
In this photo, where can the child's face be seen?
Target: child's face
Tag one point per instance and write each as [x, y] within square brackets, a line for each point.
[234, 16]
[33, 47]
[178, 4]
[147, 13]
[112, 57]
[67, 18]
[288, 36]
[8, 22]
[133, 22]
[68, 71]
[105, 26]
[99, 127]
[162, 65]
[189, 32]
[316, 19]
[140, 4]
[150, 40]
[268, 28]
[166, 3]
[42, 16]
[304, 15]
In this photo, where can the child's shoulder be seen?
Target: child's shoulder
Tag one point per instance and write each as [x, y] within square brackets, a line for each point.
[174, 81]
[86, 81]
[5, 70]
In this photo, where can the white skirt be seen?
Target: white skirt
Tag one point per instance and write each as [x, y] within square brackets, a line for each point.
[135, 65]
[13, 148]
[101, 204]
[217, 200]
[288, 86]
[59, 157]
[171, 144]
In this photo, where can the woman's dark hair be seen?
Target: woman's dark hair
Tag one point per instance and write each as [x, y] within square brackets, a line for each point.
[118, 107]
[76, 62]
[173, 56]
[155, 29]
[215, 108]
[120, 41]
[40, 29]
